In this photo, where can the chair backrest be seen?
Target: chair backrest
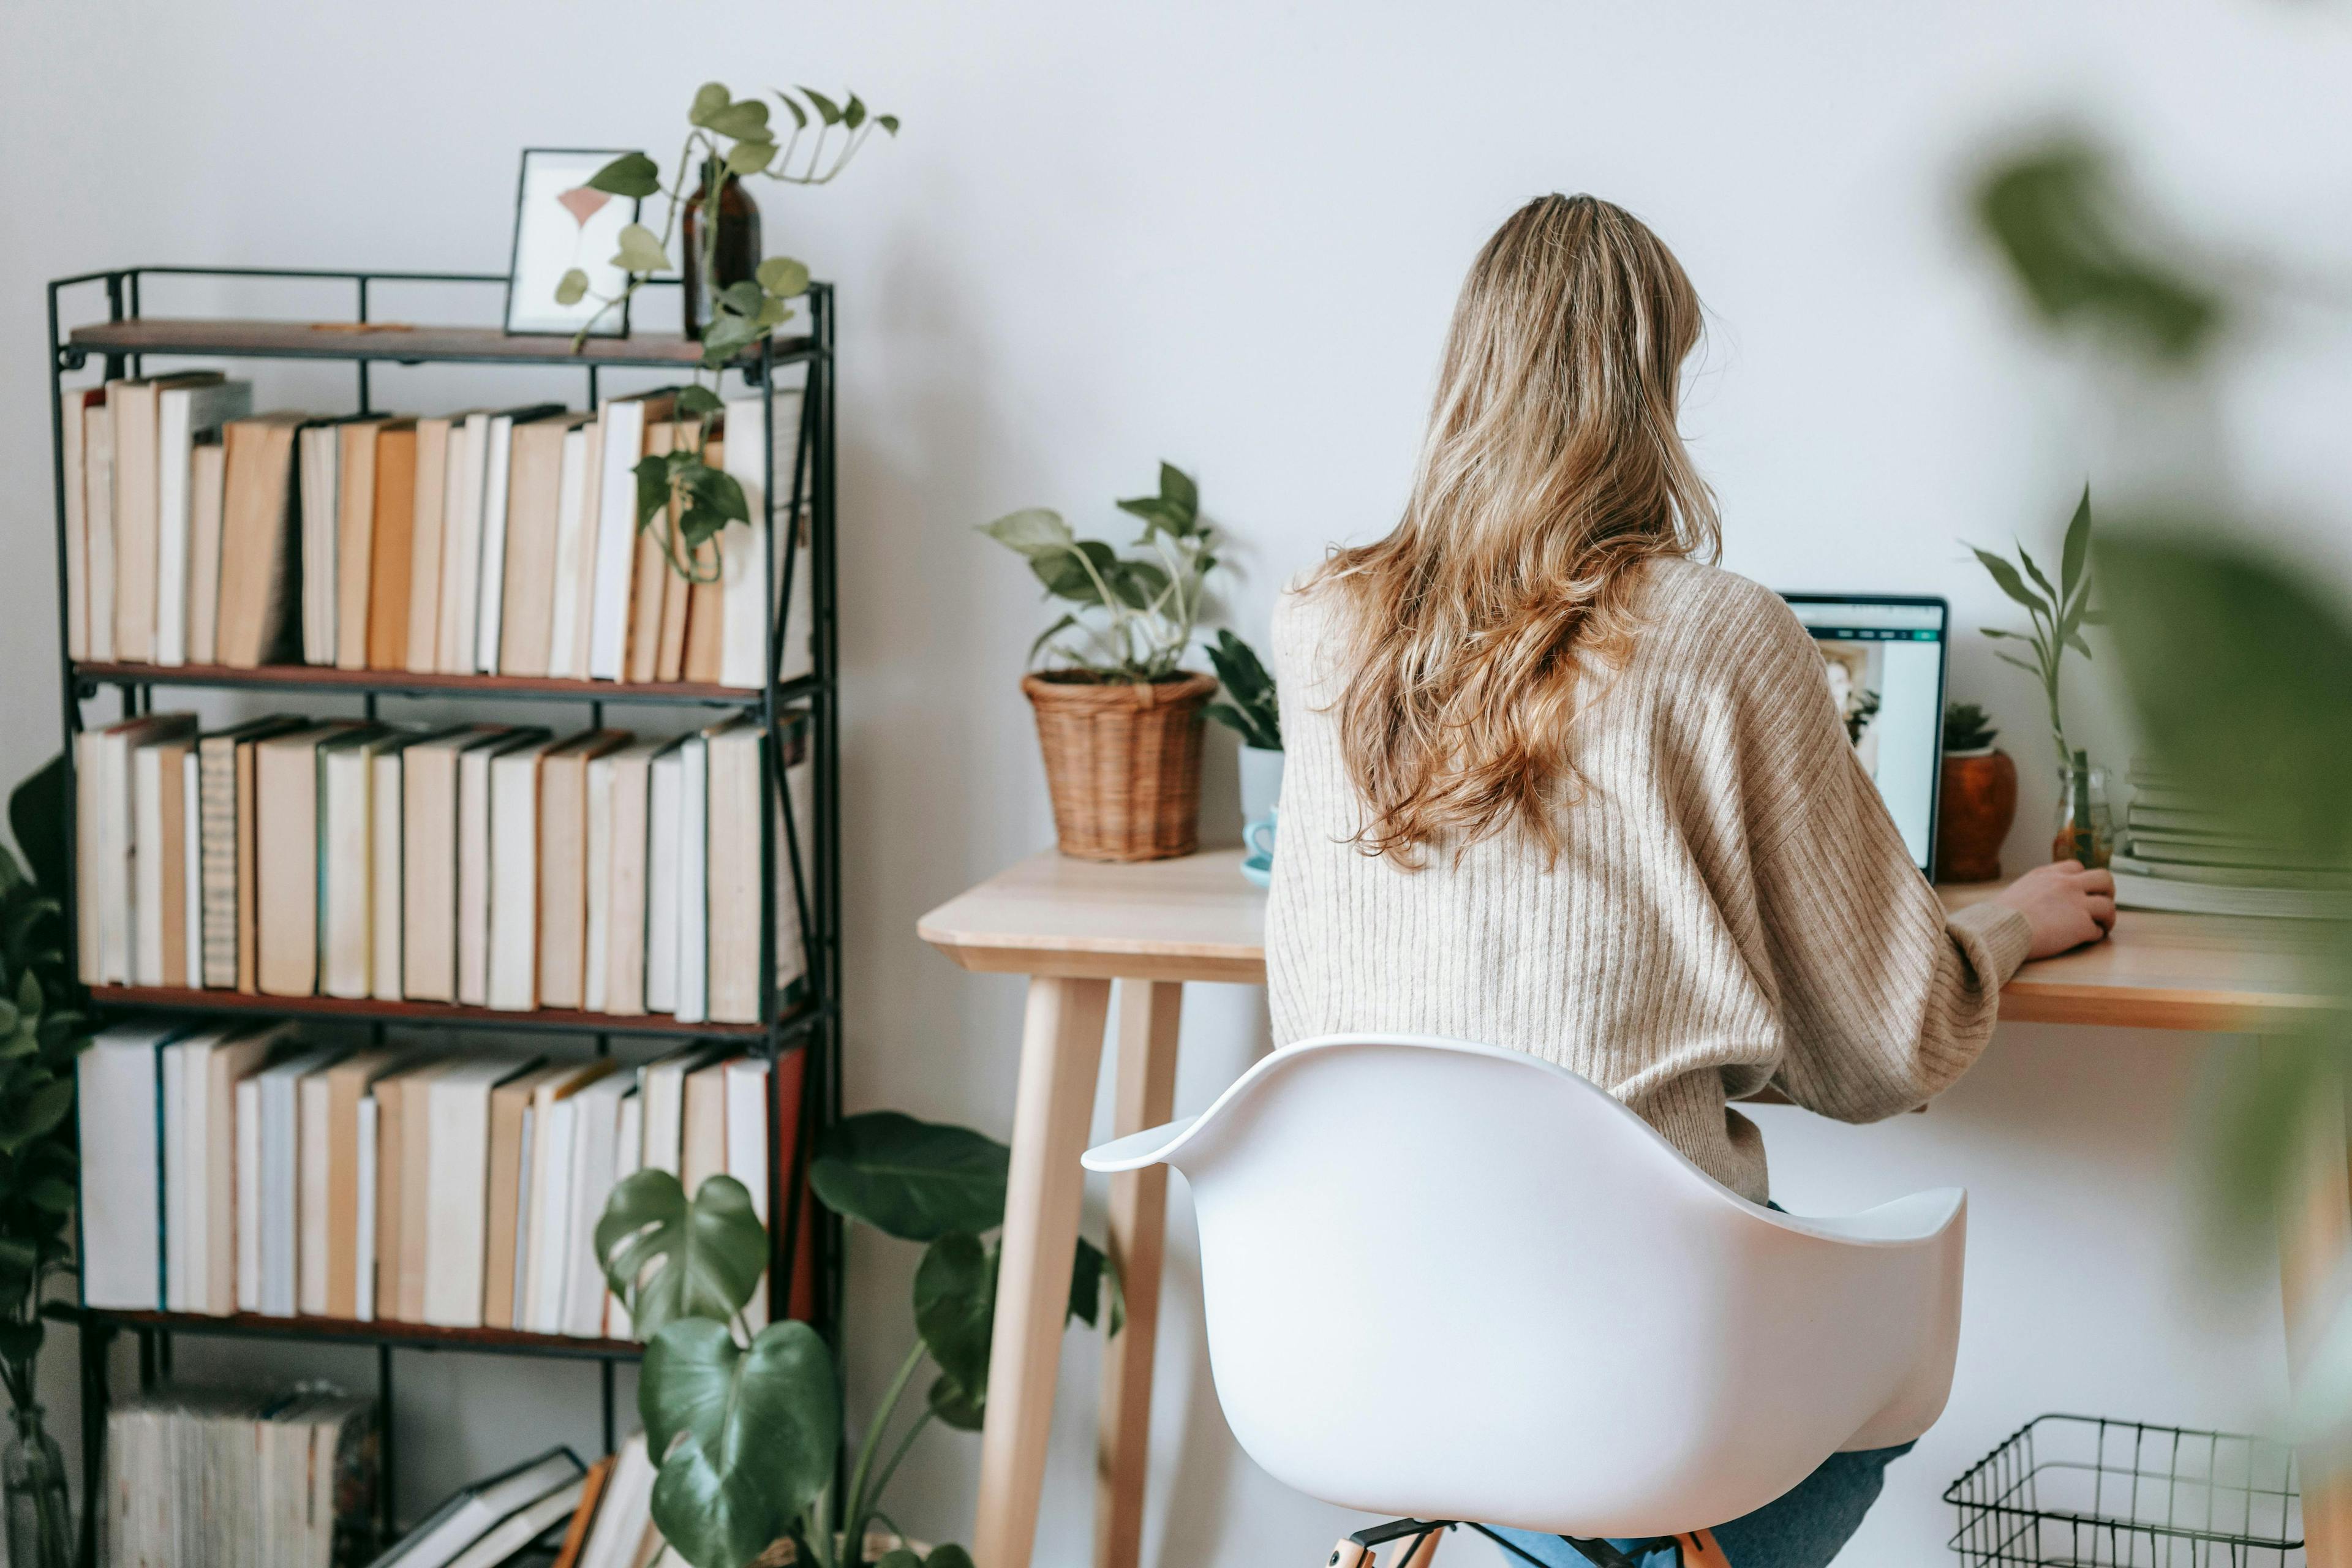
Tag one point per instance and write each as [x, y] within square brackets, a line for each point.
[1451, 1281]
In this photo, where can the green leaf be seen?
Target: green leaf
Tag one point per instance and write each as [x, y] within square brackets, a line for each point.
[897, 1557]
[710, 100]
[747, 119]
[955, 1308]
[826, 109]
[2076, 552]
[632, 175]
[742, 298]
[51, 1195]
[37, 815]
[956, 1406]
[697, 400]
[1030, 531]
[800, 115]
[687, 1375]
[853, 113]
[915, 1180]
[641, 250]
[718, 492]
[2034, 670]
[1137, 582]
[721, 1499]
[1049, 634]
[1159, 516]
[1086, 1271]
[35, 1112]
[702, 1260]
[653, 488]
[2010, 583]
[949, 1555]
[782, 275]
[2039, 580]
[571, 287]
[750, 157]
[889, 122]
[727, 336]
[1177, 489]
[774, 310]
[1065, 576]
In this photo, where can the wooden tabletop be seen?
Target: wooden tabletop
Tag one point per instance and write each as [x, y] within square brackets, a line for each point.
[1196, 919]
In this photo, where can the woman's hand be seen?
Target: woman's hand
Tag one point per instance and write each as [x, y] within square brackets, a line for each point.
[2066, 905]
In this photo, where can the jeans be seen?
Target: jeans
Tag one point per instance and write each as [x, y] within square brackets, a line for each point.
[1803, 1528]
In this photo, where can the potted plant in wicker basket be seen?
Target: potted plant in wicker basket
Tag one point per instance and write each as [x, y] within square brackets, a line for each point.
[1118, 716]
[1978, 801]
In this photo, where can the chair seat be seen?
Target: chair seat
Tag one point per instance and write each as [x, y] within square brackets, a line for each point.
[1446, 1280]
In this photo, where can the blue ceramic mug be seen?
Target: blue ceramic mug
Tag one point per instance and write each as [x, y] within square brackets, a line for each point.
[1259, 834]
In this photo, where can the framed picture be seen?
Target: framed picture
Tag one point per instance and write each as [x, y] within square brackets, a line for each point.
[561, 224]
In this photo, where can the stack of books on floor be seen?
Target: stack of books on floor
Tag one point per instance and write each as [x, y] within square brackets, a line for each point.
[495, 1521]
[614, 1525]
[217, 1480]
[246, 1170]
[481, 865]
[490, 542]
[2179, 854]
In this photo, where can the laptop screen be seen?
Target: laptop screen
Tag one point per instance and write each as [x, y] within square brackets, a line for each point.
[1883, 659]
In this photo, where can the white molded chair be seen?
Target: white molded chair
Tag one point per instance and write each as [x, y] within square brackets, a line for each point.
[1455, 1282]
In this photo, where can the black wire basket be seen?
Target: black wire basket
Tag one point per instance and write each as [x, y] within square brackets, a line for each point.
[2079, 1492]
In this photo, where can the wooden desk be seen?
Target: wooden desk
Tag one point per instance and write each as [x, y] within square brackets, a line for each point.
[1075, 926]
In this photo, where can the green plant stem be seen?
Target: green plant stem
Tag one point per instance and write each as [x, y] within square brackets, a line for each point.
[882, 1481]
[854, 1516]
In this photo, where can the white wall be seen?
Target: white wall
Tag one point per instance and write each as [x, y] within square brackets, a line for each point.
[1228, 235]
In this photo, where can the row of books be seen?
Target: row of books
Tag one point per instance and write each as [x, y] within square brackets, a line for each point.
[216, 1479]
[479, 864]
[245, 1170]
[2178, 853]
[486, 542]
[603, 1513]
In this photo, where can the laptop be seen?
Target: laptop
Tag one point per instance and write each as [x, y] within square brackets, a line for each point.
[1883, 655]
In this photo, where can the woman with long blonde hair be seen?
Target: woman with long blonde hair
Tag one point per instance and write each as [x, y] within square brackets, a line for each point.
[1556, 783]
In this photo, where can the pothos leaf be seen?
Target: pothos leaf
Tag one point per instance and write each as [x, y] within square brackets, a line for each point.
[632, 175]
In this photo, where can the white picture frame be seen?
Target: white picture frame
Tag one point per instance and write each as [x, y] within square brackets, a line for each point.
[561, 224]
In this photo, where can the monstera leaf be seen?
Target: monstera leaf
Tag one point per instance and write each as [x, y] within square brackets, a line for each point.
[917, 1181]
[748, 1438]
[955, 1314]
[671, 1259]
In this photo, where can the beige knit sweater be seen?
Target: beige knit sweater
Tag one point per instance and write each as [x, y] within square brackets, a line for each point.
[1734, 908]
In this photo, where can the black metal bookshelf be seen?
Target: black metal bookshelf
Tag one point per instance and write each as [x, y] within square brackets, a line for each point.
[807, 1020]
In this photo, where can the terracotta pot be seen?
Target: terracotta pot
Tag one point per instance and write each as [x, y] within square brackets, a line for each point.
[1979, 804]
[1122, 763]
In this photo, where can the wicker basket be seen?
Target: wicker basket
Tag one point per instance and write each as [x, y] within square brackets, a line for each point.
[1122, 763]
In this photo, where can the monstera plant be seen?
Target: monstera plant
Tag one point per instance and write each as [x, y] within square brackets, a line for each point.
[747, 1427]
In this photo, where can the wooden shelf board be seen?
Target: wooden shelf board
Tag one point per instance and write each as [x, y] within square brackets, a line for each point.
[291, 676]
[420, 1336]
[172, 998]
[409, 343]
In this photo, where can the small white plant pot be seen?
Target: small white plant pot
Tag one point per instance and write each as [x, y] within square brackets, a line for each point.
[1261, 783]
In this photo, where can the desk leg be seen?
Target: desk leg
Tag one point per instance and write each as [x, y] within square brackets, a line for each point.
[2314, 1236]
[1061, 1048]
[1149, 1014]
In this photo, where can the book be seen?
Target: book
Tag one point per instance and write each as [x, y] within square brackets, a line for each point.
[226, 849]
[592, 1492]
[511, 983]
[794, 858]
[179, 1174]
[428, 859]
[260, 541]
[661, 1089]
[161, 773]
[363, 1250]
[790, 1079]
[355, 495]
[134, 408]
[747, 1144]
[733, 893]
[207, 496]
[693, 993]
[705, 599]
[74, 437]
[433, 493]
[186, 412]
[475, 1511]
[624, 1516]
[349, 1214]
[393, 553]
[596, 1134]
[247, 1097]
[547, 1222]
[628, 1159]
[475, 860]
[666, 808]
[403, 1128]
[461, 544]
[217, 1080]
[347, 834]
[626, 908]
[702, 1129]
[749, 554]
[320, 446]
[498, 512]
[2144, 885]
[286, 873]
[106, 837]
[222, 1477]
[457, 1187]
[575, 551]
[511, 1104]
[563, 860]
[624, 421]
[649, 580]
[669, 662]
[522, 1527]
[98, 519]
[280, 1166]
[538, 473]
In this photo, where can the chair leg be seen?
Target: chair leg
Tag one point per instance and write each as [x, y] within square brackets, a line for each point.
[1425, 1550]
[1349, 1554]
[1699, 1551]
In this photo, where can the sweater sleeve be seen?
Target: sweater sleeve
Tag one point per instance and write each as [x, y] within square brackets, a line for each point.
[1885, 1000]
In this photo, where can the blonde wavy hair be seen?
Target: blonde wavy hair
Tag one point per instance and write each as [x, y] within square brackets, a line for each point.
[1552, 469]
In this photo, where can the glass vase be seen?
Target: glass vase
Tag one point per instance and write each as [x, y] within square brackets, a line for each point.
[735, 248]
[2085, 828]
[40, 1520]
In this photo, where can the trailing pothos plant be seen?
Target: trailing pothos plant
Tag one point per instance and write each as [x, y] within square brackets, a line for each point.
[746, 1427]
[679, 495]
[40, 1034]
[1135, 616]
